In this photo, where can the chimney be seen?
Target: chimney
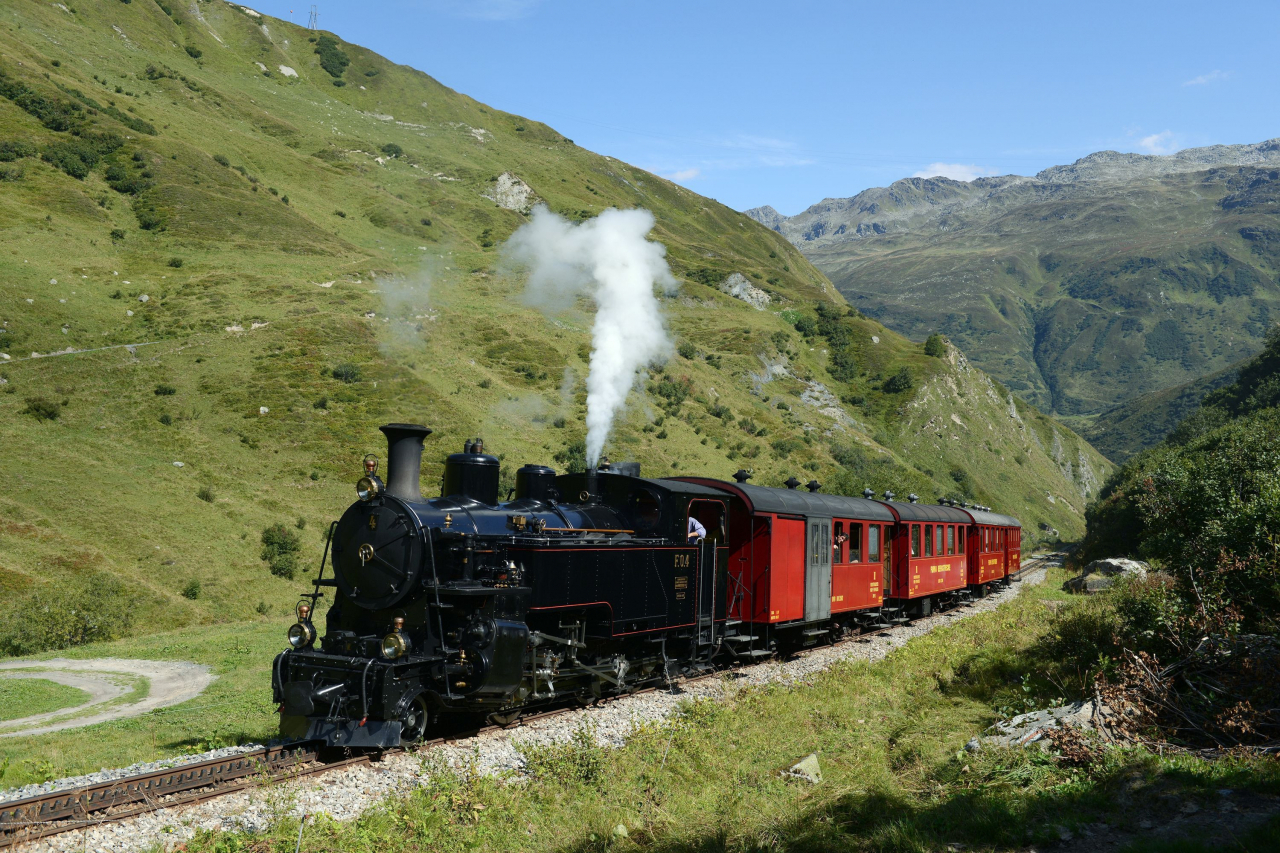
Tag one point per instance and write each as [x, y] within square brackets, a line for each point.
[813, 485]
[913, 497]
[888, 495]
[404, 459]
[741, 476]
[792, 483]
[868, 493]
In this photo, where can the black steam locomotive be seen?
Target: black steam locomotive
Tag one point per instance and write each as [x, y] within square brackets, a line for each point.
[467, 607]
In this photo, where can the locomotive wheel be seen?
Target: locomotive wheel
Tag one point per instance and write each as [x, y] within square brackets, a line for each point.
[413, 723]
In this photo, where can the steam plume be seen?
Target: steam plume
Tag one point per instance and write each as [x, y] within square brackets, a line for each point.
[608, 259]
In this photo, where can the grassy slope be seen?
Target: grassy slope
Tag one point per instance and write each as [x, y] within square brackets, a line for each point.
[1081, 297]
[96, 489]
[1135, 425]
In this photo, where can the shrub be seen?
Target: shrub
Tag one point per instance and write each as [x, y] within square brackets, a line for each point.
[11, 174]
[347, 372]
[284, 198]
[10, 151]
[784, 447]
[687, 350]
[315, 475]
[322, 403]
[280, 547]
[221, 160]
[573, 457]
[806, 326]
[332, 59]
[123, 181]
[194, 52]
[191, 590]
[426, 222]
[899, 382]
[117, 234]
[339, 83]
[392, 150]
[166, 419]
[42, 409]
[558, 423]
[207, 494]
[340, 213]
[263, 608]
[176, 263]
[163, 390]
[935, 345]
[70, 612]
[301, 523]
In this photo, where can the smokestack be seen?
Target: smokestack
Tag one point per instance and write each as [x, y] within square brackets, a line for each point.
[404, 459]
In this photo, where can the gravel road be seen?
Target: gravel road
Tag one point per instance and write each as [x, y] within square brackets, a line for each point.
[345, 794]
[171, 682]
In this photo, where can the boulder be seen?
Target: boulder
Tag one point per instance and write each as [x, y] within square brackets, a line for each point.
[1029, 728]
[737, 286]
[1102, 574]
[806, 768]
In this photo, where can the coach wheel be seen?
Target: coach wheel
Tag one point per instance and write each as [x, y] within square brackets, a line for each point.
[414, 720]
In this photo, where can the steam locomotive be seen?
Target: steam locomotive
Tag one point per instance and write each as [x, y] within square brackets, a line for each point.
[466, 607]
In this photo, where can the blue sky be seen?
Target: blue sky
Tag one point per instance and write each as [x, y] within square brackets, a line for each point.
[756, 103]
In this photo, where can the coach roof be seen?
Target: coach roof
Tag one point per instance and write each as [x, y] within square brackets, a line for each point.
[796, 502]
[993, 518]
[928, 512]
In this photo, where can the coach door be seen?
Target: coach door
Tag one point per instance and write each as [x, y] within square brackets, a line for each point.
[817, 570]
[712, 559]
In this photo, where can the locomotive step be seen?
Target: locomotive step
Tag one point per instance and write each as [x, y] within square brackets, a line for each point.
[815, 632]
[739, 638]
[754, 654]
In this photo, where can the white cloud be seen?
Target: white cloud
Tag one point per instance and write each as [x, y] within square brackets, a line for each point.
[1204, 79]
[682, 175]
[1158, 143]
[954, 171]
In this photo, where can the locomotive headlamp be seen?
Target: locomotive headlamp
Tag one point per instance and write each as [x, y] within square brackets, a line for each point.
[301, 635]
[395, 644]
[367, 488]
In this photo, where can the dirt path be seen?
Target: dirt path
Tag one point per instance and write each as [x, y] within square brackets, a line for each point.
[169, 683]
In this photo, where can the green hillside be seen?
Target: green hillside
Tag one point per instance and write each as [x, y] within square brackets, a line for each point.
[1083, 287]
[1138, 424]
[258, 242]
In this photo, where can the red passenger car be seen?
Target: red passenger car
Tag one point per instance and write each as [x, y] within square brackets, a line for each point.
[997, 548]
[930, 544]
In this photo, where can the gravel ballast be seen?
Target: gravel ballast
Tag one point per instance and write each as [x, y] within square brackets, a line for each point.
[345, 793]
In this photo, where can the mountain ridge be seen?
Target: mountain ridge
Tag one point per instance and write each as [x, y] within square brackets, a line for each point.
[1111, 278]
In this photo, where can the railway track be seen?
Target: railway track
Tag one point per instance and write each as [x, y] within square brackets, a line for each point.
[72, 809]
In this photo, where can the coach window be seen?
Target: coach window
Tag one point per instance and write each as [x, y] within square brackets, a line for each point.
[928, 540]
[855, 542]
[959, 540]
[837, 547]
[873, 544]
[951, 539]
[915, 540]
[937, 540]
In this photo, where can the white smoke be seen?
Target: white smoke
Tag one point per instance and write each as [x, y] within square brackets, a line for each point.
[608, 259]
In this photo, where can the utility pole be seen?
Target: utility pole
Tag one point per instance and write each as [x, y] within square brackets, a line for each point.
[315, 18]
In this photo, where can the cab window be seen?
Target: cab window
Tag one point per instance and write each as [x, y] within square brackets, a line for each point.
[873, 543]
[928, 540]
[959, 540]
[937, 540]
[855, 542]
[951, 539]
[837, 547]
[915, 540]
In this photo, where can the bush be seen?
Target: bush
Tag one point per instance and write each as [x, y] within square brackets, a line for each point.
[207, 494]
[69, 612]
[322, 403]
[176, 263]
[347, 372]
[332, 59]
[194, 52]
[221, 160]
[899, 382]
[165, 390]
[10, 151]
[191, 590]
[935, 345]
[687, 350]
[166, 419]
[392, 150]
[301, 523]
[42, 409]
[340, 213]
[280, 547]
[806, 326]
[117, 234]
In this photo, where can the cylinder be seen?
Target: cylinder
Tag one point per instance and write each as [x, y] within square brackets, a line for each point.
[535, 483]
[472, 474]
[404, 459]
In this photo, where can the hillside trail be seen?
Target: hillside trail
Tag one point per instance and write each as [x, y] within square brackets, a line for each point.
[167, 683]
